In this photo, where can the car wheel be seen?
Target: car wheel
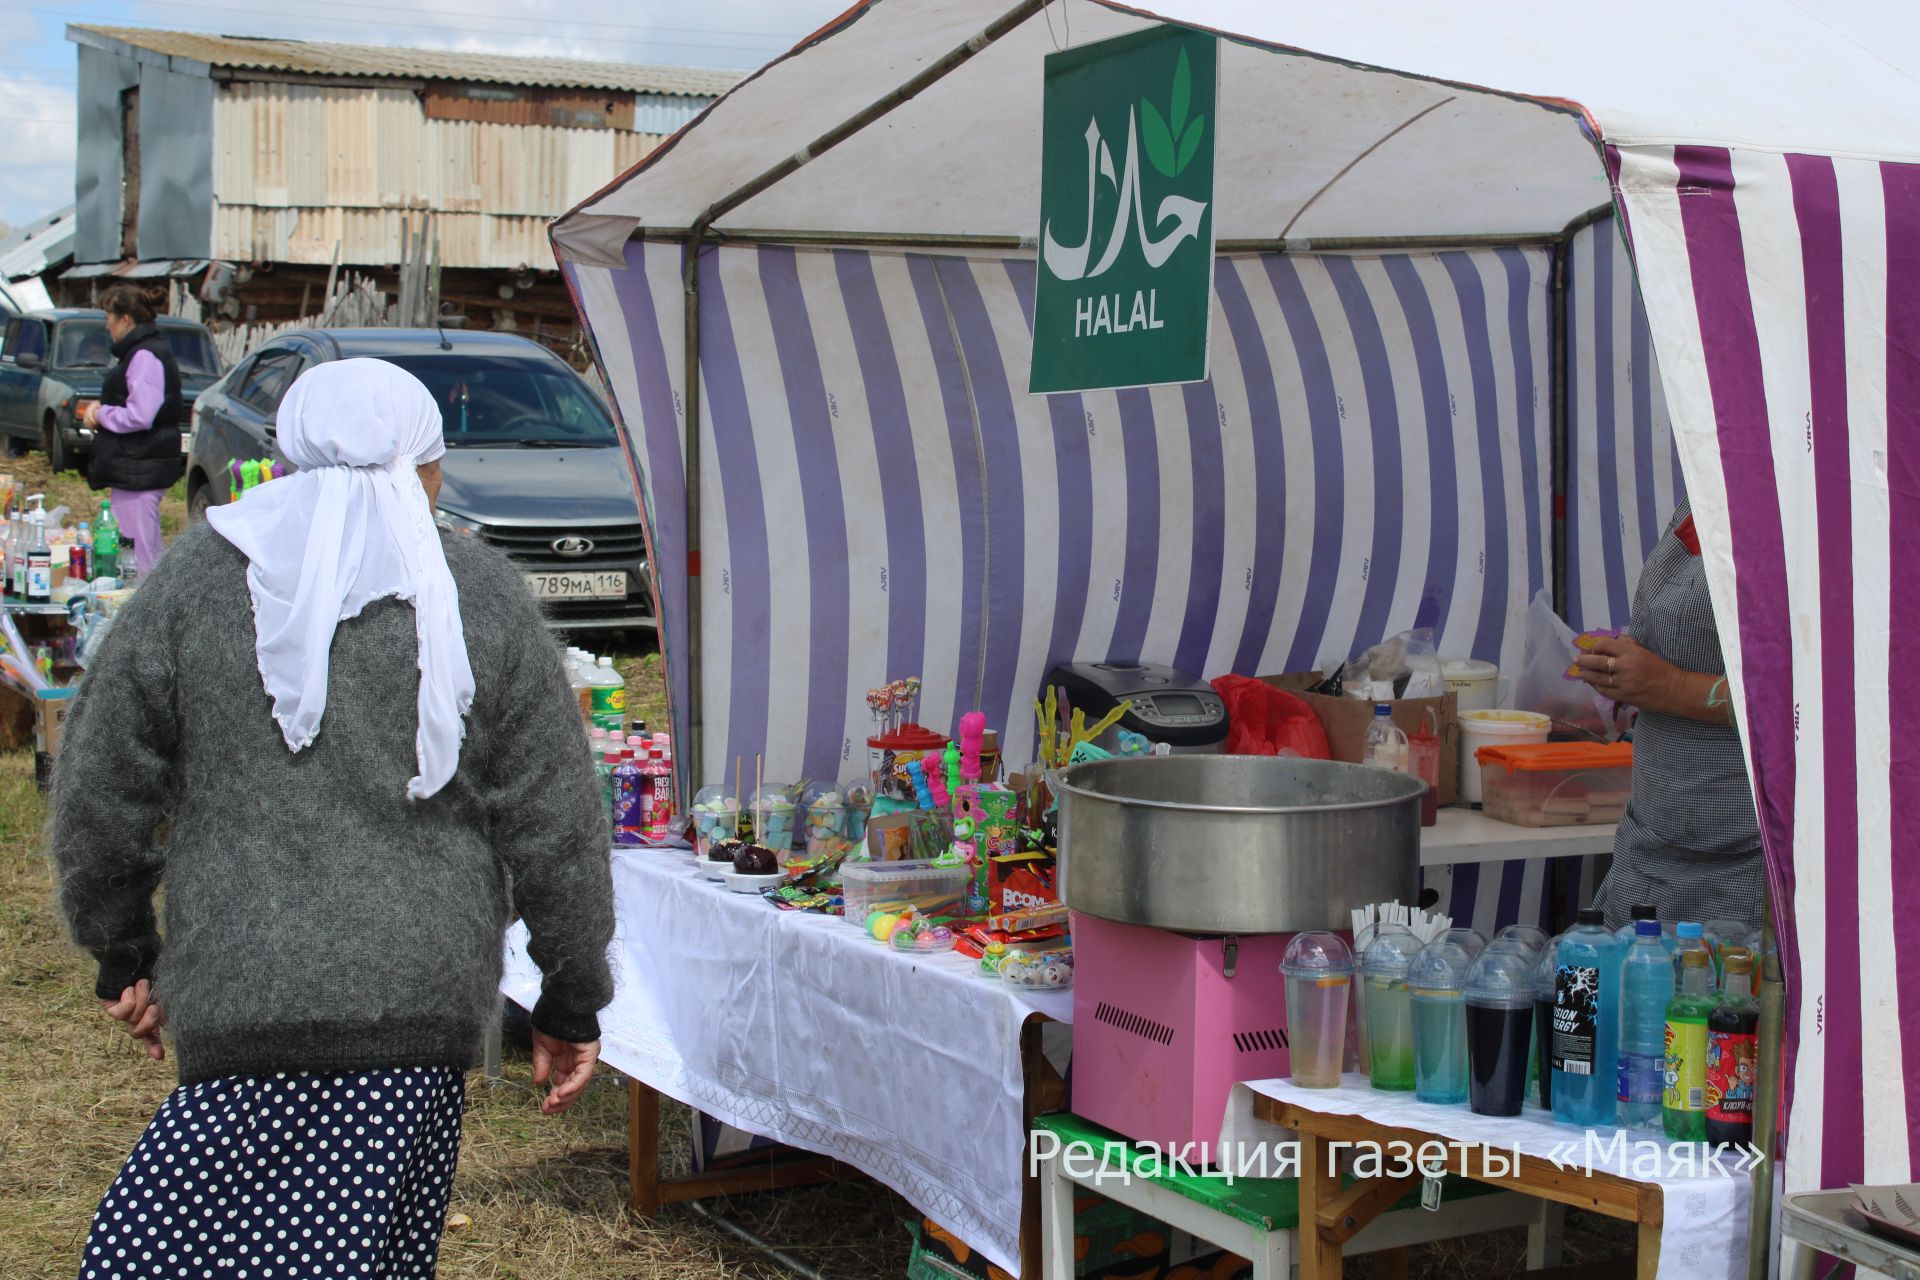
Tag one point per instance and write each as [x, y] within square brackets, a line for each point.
[54, 440]
[199, 502]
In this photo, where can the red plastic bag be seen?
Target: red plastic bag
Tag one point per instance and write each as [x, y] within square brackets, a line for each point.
[1265, 721]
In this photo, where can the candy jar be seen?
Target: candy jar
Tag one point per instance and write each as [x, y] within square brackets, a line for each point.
[773, 825]
[827, 822]
[859, 797]
[716, 816]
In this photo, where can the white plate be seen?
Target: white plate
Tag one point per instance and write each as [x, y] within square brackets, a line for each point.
[715, 870]
[598, 584]
[740, 882]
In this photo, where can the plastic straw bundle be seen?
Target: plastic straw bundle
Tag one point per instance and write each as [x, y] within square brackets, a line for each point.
[1368, 919]
[16, 661]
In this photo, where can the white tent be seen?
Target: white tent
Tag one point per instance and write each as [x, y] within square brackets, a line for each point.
[1422, 343]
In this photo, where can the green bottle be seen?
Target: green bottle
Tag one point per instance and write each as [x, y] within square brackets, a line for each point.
[1684, 1104]
[106, 542]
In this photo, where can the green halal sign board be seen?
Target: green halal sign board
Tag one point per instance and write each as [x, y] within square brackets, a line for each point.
[1126, 213]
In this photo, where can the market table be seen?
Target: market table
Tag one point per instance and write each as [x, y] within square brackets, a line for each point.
[1692, 1225]
[799, 1028]
[1469, 835]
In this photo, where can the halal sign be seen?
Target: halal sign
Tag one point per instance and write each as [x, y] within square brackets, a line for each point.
[1124, 288]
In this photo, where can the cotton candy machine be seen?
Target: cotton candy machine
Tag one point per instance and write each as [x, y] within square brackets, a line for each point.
[1187, 876]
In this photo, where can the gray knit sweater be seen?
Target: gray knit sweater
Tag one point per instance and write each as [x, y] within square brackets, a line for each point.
[316, 919]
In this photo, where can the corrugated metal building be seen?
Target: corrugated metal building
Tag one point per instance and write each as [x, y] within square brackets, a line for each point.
[270, 153]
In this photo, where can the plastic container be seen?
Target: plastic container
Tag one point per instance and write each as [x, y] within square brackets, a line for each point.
[1646, 985]
[1644, 911]
[1500, 1007]
[629, 798]
[608, 692]
[827, 829]
[1357, 1019]
[1475, 684]
[1318, 968]
[1733, 1055]
[1386, 745]
[1531, 936]
[1390, 1010]
[1048, 971]
[773, 820]
[929, 890]
[1560, 784]
[1437, 983]
[1586, 1024]
[1494, 728]
[1423, 762]
[716, 816]
[1467, 938]
[1688, 935]
[859, 794]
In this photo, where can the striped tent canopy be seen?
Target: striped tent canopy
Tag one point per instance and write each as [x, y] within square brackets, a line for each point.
[1451, 249]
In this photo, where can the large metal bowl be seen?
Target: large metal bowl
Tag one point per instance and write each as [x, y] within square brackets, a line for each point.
[1236, 844]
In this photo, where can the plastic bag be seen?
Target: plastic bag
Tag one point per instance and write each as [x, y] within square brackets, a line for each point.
[1265, 721]
[1409, 662]
[1541, 685]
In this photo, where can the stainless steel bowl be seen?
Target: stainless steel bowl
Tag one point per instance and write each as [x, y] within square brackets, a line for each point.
[1236, 844]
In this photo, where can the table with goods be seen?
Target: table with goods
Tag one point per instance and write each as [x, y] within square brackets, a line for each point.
[1159, 879]
[60, 585]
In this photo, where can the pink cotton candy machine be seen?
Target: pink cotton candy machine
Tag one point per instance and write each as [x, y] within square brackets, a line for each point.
[1187, 877]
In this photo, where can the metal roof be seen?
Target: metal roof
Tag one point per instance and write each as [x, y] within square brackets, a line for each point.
[323, 58]
[37, 246]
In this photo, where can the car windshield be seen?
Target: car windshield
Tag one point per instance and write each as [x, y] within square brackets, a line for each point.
[85, 344]
[492, 401]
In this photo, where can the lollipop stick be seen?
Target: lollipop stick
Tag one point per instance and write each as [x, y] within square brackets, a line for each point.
[737, 805]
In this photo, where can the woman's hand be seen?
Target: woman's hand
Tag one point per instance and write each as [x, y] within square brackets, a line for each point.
[90, 416]
[570, 1066]
[142, 1015]
[1626, 671]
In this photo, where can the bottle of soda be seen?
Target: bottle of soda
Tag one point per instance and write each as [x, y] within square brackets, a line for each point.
[629, 795]
[1683, 1102]
[1733, 1055]
[1586, 1024]
[106, 543]
[660, 779]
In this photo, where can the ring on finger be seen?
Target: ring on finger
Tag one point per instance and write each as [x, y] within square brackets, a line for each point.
[1613, 665]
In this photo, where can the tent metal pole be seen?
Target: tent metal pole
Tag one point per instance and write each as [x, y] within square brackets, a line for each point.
[1557, 306]
[1014, 244]
[1766, 1101]
[695, 755]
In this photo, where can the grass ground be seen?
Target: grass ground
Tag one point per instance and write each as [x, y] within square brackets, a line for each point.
[545, 1197]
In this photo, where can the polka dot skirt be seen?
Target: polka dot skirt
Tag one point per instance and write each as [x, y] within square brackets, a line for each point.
[286, 1177]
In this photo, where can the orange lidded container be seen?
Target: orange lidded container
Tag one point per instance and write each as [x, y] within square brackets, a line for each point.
[1557, 784]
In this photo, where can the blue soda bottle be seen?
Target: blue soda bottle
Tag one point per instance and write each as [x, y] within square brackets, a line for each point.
[1586, 1024]
[1646, 985]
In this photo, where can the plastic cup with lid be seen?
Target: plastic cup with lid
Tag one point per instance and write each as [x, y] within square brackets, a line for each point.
[1437, 983]
[1533, 936]
[1318, 969]
[1390, 1009]
[1362, 939]
[1500, 1033]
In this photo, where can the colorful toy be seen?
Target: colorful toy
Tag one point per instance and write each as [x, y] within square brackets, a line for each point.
[973, 730]
[922, 937]
[937, 786]
[922, 787]
[962, 851]
[1037, 970]
[992, 958]
[953, 767]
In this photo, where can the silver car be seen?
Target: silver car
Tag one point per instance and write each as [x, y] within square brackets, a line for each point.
[534, 464]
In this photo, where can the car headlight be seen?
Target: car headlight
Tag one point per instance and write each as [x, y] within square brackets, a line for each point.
[455, 523]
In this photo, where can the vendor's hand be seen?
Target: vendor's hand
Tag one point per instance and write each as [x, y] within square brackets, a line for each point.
[90, 413]
[141, 1014]
[1627, 672]
[570, 1066]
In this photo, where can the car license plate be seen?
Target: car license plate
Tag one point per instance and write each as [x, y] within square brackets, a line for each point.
[603, 585]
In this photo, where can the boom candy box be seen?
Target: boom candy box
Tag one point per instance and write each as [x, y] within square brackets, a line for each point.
[1017, 881]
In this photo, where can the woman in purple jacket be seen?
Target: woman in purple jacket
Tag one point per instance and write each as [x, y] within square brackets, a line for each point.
[137, 422]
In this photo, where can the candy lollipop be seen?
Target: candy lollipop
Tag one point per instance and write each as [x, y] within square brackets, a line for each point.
[902, 699]
[913, 698]
[973, 729]
[918, 773]
[937, 785]
[953, 767]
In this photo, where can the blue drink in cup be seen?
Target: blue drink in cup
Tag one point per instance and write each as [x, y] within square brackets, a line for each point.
[1437, 986]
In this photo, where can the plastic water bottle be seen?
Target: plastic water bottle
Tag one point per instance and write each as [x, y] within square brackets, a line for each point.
[1683, 1106]
[1688, 936]
[609, 694]
[1646, 985]
[1386, 746]
[1638, 912]
[1586, 1024]
[106, 543]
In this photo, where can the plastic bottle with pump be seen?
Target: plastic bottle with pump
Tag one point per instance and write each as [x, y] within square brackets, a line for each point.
[39, 555]
[1386, 746]
[1646, 987]
[106, 543]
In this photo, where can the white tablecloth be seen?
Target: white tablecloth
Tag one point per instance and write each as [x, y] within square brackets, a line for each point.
[1704, 1235]
[799, 1028]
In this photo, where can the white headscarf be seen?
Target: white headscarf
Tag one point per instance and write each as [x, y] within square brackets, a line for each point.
[353, 525]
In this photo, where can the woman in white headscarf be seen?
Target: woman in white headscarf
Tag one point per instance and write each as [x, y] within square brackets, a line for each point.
[337, 736]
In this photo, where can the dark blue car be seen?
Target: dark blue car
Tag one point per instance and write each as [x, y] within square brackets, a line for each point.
[533, 465]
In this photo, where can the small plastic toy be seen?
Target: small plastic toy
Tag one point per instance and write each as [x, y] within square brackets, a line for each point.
[992, 958]
[923, 937]
[922, 784]
[973, 730]
[1041, 971]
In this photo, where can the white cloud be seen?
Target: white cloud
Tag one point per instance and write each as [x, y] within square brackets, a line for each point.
[36, 164]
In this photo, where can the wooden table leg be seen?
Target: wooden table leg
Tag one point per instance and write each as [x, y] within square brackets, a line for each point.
[643, 1149]
[1056, 1224]
[1319, 1184]
[1647, 1255]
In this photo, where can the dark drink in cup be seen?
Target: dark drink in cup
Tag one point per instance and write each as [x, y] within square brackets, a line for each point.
[1500, 1009]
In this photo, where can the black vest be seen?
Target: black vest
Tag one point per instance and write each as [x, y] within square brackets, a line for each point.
[149, 459]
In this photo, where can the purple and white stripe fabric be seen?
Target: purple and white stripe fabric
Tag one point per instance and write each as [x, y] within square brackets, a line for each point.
[883, 500]
[1784, 295]
[1623, 479]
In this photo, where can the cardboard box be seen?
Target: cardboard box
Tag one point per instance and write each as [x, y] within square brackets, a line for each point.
[50, 707]
[1022, 880]
[1346, 721]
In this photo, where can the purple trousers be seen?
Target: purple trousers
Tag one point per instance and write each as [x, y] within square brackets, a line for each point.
[138, 511]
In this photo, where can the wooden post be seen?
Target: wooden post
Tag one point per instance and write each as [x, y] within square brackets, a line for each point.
[643, 1149]
[1319, 1187]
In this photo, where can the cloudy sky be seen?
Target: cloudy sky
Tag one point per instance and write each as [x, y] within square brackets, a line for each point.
[37, 62]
